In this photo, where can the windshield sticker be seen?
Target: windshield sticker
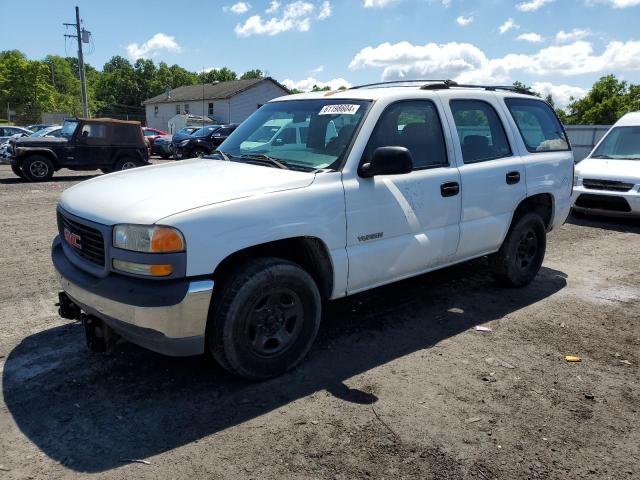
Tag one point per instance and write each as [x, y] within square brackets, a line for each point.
[346, 109]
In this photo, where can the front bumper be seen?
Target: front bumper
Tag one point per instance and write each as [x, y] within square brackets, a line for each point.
[168, 317]
[607, 202]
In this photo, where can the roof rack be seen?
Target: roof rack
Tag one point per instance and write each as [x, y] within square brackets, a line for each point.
[444, 84]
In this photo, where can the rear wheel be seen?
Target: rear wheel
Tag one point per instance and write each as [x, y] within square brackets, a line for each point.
[199, 152]
[126, 163]
[519, 259]
[37, 168]
[264, 318]
[18, 171]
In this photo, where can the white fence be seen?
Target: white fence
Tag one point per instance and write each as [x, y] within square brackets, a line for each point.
[584, 137]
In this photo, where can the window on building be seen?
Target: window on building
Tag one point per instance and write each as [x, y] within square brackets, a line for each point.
[155, 111]
[480, 131]
[177, 109]
[210, 109]
[186, 108]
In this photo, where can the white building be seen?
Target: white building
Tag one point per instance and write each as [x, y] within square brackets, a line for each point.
[223, 102]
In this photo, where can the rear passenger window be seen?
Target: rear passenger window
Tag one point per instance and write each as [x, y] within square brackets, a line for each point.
[414, 125]
[480, 131]
[538, 125]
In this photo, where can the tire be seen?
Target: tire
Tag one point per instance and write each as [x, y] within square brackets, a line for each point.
[519, 259]
[126, 163]
[264, 319]
[105, 170]
[18, 171]
[199, 153]
[165, 156]
[37, 168]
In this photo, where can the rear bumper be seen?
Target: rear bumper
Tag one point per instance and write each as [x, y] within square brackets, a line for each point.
[604, 202]
[167, 317]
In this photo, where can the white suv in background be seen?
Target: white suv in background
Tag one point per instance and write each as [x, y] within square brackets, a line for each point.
[607, 182]
[235, 254]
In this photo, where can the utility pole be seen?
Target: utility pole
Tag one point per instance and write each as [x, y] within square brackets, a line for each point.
[81, 35]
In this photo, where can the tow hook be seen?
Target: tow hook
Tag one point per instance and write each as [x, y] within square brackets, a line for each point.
[99, 336]
[66, 308]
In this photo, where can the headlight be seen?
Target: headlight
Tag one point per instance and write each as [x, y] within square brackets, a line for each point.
[148, 239]
[576, 179]
[183, 143]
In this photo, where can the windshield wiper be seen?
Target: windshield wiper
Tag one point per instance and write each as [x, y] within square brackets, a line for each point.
[601, 156]
[261, 157]
[224, 156]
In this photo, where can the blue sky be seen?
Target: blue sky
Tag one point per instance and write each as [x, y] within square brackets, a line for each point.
[559, 46]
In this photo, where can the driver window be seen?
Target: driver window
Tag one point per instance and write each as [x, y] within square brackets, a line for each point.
[416, 126]
[94, 134]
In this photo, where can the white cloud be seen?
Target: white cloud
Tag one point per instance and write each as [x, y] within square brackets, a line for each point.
[318, 69]
[464, 21]
[378, 3]
[561, 94]
[467, 63]
[296, 15]
[573, 35]
[238, 8]
[617, 3]
[530, 37]
[325, 11]
[532, 5]
[274, 6]
[151, 47]
[509, 24]
[307, 84]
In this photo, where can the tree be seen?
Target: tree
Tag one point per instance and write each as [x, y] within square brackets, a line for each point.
[217, 75]
[605, 103]
[255, 73]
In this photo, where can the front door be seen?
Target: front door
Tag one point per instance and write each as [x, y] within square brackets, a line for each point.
[90, 146]
[402, 225]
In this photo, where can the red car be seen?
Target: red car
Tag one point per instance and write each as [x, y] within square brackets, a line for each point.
[152, 133]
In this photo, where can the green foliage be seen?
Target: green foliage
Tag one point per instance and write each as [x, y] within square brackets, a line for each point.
[256, 73]
[221, 75]
[606, 102]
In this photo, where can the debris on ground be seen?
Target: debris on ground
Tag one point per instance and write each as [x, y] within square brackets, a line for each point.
[480, 328]
[473, 420]
[626, 362]
[572, 358]
[136, 460]
[496, 362]
[589, 396]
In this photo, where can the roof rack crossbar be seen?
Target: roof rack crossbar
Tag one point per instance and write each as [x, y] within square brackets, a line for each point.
[392, 82]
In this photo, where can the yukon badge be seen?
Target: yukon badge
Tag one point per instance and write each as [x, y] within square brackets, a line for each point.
[370, 236]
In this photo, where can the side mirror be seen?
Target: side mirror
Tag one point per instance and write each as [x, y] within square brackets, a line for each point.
[387, 161]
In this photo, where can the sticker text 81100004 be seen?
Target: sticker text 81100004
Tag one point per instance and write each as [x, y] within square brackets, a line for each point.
[342, 109]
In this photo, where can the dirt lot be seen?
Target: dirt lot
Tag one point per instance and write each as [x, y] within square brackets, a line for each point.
[397, 386]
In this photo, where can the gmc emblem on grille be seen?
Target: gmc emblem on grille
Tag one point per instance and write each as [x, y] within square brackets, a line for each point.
[72, 239]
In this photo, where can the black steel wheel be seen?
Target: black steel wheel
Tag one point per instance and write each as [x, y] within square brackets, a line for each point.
[37, 168]
[264, 318]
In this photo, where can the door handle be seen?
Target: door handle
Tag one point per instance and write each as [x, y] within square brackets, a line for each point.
[513, 178]
[449, 189]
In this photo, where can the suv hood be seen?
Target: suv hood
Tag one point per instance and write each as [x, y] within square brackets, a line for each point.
[603, 169]
[147, 194]
[38, 141]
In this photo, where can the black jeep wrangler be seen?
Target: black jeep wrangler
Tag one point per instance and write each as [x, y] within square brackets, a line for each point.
[85, 144]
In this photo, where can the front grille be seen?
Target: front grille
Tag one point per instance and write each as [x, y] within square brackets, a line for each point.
[91, 243]
[611, 185]
[603, 202]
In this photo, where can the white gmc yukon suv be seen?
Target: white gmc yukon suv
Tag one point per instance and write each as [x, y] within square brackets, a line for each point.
[234, 254]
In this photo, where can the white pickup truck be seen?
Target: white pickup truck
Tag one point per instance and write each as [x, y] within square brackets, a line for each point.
[235, 254]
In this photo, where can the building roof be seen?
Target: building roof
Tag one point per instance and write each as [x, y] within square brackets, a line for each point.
[212, 91]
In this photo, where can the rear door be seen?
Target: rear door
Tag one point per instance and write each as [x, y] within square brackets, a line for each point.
[492, 176]
[402, 225]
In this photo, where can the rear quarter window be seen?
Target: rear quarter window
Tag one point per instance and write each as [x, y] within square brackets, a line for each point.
[538, 124]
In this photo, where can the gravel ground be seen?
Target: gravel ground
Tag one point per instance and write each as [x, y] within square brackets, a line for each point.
[398, 385]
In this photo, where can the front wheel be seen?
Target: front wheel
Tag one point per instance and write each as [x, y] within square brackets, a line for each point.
[519, 259]
[264, 319]
[126, 164]
[37, 168]
[17, 171]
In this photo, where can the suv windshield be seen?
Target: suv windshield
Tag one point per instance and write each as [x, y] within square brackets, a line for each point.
[620, 143]
[305, 134]
[205, 131]
[68, 128]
